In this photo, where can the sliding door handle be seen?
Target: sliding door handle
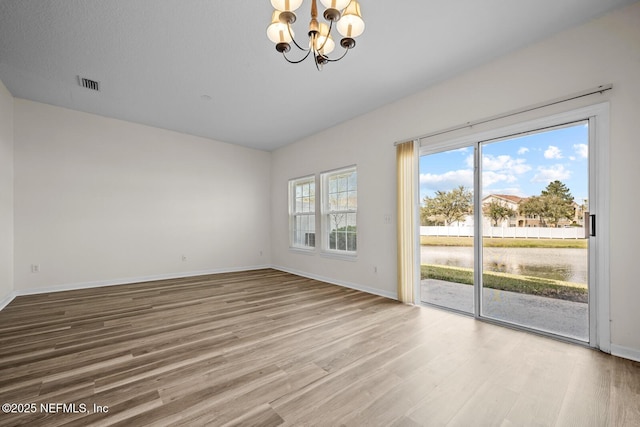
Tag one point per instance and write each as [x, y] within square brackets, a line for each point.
[589, 225]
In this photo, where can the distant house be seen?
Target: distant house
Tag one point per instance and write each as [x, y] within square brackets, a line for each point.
[520, 220]
[508, 200]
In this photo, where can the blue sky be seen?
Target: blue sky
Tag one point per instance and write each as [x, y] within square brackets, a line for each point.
[521, 166]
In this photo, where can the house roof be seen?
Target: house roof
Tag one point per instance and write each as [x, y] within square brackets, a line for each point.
[507, 197]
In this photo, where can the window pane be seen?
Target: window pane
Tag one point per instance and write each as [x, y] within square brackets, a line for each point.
[333, 186]
[339, 203]
[342, 183]
[447, 229]
[558, 200]
[351, 241]
[342, 200]
[352, 200]
[296, 231]
[353, 180]
[304, 230]
[303, 206]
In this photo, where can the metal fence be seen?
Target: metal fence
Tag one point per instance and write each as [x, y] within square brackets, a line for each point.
[506, 232]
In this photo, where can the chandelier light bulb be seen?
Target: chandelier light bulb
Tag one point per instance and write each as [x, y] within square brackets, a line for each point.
[324, 42]
[351, 24]
[286, 5]
[334, 7]
[335, 4]
[277, 31]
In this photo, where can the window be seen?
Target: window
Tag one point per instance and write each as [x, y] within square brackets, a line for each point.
[302, 212]
[339, 210]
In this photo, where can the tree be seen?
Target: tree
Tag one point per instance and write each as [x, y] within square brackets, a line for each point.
[557, 202]
[553, 204]
[447, 207]
[557, 188]
[497, 211]
[532, 207]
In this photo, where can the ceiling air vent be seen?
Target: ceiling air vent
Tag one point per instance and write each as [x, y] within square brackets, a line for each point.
[89, 84]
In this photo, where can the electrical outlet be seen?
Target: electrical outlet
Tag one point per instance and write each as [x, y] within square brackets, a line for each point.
[35, 268]
[184, 258]
[387, 219]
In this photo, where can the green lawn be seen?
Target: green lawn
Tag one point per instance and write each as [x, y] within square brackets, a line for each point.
[497, 242]
[509, 282]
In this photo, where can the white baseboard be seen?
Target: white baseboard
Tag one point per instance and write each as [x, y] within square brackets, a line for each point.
[130, 280]
[627, 353]
[6, 300]
[358, 287]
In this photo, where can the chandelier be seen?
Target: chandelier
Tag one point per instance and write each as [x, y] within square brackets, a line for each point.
[344, 14]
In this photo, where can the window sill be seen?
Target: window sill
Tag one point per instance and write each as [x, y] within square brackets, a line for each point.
[353, 257]
[303, 251]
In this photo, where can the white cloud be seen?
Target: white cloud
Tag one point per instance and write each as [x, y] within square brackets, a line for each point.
[505, 164]
[447, 181]
[522, 151]
[503, 168]
[555, 172]
[496, 169]
[489, 178]
[582, 150]
[553, 152]
[516, 191]
[469, 161]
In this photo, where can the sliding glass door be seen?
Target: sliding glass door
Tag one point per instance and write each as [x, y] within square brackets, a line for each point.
[535, 254]
[505, 229]
[447, 229]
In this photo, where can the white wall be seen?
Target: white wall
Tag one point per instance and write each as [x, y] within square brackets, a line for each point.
[6, 193]
[99, 200]
[606, 50]
[371, 149]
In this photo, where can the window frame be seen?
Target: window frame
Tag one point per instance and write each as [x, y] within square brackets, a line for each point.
[294, 214]
[326, 211]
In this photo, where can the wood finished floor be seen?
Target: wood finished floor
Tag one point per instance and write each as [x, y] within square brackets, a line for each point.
[269, 348]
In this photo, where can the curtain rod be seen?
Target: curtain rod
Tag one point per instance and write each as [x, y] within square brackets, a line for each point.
[600, 89]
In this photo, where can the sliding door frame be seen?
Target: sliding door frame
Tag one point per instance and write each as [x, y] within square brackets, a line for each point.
[599, 247]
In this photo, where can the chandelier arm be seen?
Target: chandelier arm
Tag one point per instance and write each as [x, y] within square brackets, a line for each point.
[299, 61]
[336, 59]
[326, 38]
[294, 40]
[318, 64]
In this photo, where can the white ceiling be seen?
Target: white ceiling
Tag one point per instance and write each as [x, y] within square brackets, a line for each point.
[158, 60]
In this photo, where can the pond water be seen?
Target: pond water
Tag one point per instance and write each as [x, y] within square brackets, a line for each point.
[552, 263]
